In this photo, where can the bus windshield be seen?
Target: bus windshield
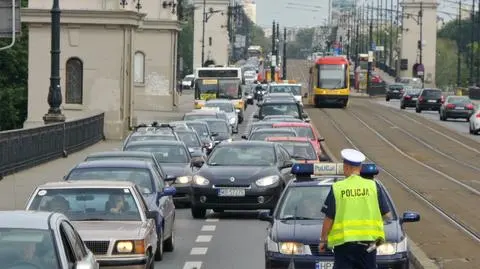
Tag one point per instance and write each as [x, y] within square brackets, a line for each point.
[220, 88]
[332, 76]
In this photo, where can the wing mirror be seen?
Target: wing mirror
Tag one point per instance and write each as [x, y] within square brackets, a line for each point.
[265, 216]
[410, 216]
[151, 214]
[287, 164]
[321, 139]
[244, 137]
[197, 163]
[167, 191]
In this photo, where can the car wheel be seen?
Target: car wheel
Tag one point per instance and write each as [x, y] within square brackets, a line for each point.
[151, 260]
[387, 99]
[402, 106]
[198, 213]
[159, 252]
[418, 110]
[169, 244]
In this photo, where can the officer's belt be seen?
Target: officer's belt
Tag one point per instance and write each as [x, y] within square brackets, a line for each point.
[363, 243]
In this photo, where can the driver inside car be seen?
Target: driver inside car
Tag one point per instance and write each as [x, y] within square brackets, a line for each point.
[307, 208]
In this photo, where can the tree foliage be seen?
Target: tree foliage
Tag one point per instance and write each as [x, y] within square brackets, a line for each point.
[185, 46]
[302, 45]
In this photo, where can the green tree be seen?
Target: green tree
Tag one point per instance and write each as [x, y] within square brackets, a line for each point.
[185, 46]
[446, 64]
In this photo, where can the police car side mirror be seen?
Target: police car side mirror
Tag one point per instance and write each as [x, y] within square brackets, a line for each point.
[265, 216]
[410, 216]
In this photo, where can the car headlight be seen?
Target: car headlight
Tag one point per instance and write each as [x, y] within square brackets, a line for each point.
[183, 179]
[294, 248]
[130, 247]
[393, 248]
[232, 120]
[267, 181]
[228, 140]
[199, 180]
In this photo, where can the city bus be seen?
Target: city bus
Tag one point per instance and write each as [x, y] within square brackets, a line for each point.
[329, 81]
[219, 83]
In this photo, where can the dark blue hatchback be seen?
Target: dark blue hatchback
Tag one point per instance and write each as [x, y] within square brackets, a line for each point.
[295, 225]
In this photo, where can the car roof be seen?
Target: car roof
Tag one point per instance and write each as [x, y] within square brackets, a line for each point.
[121, 153]
[155, 143]
[246, 143]
[220, 120]
[115, 164]
[22, 219]
[288, 138]
[158, 132]
[87, 184]
[292, 124]
[280, 94]
[274, 101]
[273, 130]
[202, 122]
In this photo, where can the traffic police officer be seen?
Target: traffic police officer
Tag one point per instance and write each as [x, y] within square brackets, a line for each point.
[353, 216]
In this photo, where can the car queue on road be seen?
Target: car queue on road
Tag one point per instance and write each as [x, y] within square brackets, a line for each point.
[120, 206]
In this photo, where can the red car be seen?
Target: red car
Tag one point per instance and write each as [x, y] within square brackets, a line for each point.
[300, 148]
[303, 129]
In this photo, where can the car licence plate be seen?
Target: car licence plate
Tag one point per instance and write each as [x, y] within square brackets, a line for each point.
[414, 99]
[432, 101]
[231, 192]
[459, 108]
[395, 91]
[324, 265]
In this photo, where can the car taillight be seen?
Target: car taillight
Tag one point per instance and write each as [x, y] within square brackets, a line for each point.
[450, 106]
[407, 97]
[420, 99]
[478, 115]
[469, 107]
[442, 99]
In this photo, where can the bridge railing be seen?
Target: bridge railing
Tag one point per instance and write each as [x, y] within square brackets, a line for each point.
[24, 148]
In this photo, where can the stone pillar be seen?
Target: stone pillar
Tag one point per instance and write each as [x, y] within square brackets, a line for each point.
[411, 36]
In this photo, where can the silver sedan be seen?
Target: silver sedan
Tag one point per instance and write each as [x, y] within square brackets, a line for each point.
[228, 108]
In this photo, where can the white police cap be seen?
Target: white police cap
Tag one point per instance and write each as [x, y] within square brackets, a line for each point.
[352, 157]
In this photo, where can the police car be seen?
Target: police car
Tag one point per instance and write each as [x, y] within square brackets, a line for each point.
[295, 225]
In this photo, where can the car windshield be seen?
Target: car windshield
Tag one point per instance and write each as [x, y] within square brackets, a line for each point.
[245, 155]
[152, 137]
[280, 109]
[164, 153]
[432, 93]
[261, 135]
[113, 157]
[190, 139]
[201, 129]
[261, 126]
[218, 126]
[295, 90]
[413, 91]
[303, 203]
[22, 246]
[88, 204]
[300, 150]
[303, 131]
[229, 88]
[226, 107]
[459, 100]
[199, 116]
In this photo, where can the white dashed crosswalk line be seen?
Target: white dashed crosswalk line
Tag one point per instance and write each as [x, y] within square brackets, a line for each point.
[192, 265]
[198, 251]
[208, 228]
[203, 239]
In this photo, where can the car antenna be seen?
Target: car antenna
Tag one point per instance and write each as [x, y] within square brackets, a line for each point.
[291, 265]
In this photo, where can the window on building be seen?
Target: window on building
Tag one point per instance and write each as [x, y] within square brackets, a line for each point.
[74, 81]
[210, 41]
[139, 67]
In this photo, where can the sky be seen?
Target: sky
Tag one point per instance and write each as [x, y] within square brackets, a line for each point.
[308, 13]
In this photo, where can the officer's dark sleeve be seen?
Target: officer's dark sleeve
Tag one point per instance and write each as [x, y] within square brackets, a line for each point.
[382, 201]
[329, 206]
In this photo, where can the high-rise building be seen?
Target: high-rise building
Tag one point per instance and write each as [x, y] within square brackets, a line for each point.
[250, 8]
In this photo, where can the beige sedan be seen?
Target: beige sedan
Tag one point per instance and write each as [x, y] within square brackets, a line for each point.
[111, 217]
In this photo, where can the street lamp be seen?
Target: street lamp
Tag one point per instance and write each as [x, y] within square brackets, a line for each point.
[206, 17]
[54, 99]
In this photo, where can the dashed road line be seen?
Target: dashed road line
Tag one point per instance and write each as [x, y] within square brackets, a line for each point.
[198, 251]
[208, 228]
[192, 265]
[212, 220]
[203, 239]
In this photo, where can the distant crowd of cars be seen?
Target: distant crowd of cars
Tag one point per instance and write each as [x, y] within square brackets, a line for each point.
[450, 107]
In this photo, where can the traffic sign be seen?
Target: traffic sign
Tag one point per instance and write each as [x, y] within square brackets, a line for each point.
[374, 46]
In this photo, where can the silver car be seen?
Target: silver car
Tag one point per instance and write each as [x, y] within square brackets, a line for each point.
[48, 237]
[228, 108]
[111, 217]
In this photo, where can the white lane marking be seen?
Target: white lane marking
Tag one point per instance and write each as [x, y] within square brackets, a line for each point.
[212, 220]
[208, 228]
[203, 239]
[198, 251]
[192, 265]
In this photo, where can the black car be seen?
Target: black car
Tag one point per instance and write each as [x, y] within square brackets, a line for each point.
[297, 221]
[202, 129]
[175, 160]
[395, 91]
[429, 99]
[220, 129]
[409, 98]
[130, 155]
[154, 131]
[241, 175]
[261, 134]
[281, 107]
[456, 107]
[250, 95]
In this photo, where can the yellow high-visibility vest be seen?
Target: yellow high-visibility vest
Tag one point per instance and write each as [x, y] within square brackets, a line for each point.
[357, 214]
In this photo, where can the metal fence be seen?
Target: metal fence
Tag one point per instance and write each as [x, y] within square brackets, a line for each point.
[25, 148]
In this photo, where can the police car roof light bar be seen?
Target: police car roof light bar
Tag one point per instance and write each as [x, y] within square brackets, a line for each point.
[321, 169]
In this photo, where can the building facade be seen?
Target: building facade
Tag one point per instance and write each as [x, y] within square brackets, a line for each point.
[215, 40]
[114, 58]
[250, 8]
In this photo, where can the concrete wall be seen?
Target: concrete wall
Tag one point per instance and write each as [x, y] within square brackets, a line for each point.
[411, 35]
[105, 36]
[213, 28]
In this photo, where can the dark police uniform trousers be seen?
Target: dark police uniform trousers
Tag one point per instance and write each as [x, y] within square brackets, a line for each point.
[354, 255]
